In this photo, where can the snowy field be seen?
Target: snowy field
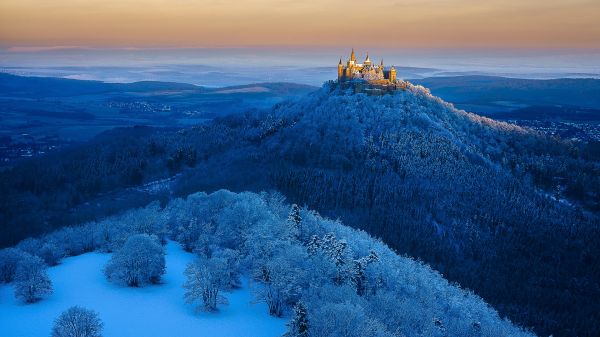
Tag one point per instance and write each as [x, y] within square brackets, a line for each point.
[157, 310]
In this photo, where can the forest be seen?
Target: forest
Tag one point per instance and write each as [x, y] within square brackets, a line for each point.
[325, 278]
[504, 211]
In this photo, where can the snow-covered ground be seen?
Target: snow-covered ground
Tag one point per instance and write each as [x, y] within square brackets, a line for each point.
[152, 311]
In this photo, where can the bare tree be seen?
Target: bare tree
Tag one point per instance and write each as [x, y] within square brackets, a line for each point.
[77, 322]
[31, 280]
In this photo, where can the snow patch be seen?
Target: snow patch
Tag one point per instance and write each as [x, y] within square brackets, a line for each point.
[157, 310]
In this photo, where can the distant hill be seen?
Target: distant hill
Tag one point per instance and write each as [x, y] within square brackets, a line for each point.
[13, 85]
[54, 112]
[489, 92]
[543, 113]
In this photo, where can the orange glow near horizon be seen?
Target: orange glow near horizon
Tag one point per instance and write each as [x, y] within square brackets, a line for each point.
[245, 23]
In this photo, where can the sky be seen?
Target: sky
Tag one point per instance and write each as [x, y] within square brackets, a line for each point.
[42, 24]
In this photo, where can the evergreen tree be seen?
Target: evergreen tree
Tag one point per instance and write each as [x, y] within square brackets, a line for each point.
[313, 245]
[294, 219]
[298, 325]
[335, 250]
[338, 255]
[359, 278]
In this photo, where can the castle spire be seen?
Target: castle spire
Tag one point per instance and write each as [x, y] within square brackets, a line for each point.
[367, 60]
[352, 56]
[340, 61]
[381, 63]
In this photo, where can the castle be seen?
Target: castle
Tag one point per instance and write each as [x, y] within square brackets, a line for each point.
[374, 74]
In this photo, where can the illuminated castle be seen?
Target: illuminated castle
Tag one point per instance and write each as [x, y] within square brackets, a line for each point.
[367, 71]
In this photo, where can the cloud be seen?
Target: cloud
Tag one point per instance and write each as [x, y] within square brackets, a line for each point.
[35, 49]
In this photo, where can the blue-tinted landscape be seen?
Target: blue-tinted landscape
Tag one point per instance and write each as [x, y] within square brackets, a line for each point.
[441, 180]
[558, 97]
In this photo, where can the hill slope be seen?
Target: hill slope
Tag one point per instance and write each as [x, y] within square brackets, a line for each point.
[350, 284]
[499, 209]
[460, 191]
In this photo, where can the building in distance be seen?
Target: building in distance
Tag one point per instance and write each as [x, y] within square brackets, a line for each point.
[367, 71]
[367, 77]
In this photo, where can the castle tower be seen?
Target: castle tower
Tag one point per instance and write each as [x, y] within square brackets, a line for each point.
[340, 70]
[352, 56]
[393, 74]
[367, 61]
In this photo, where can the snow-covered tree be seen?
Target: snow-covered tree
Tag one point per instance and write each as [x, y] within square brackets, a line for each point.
[189, 233]
[139, 262]
[77, 322]
[345, 287]
[313, 245]
[242, 214]
[337, 251]
[9, 260]
[31, 280]
[345, 319]
[358, 277]
[294, 220]
[205, 278]
[50, 253]
[232, 266]
[282, 278]
[148, 220]
[30, 245]
[77, 240]
[298, 324]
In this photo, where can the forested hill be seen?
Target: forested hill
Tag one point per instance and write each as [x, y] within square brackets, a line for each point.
[486, 203]
[504, 211]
